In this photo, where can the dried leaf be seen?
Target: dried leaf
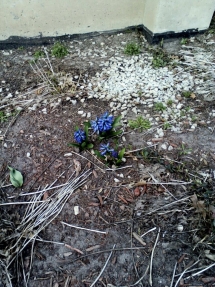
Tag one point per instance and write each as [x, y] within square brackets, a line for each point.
[137, 191]
[208, 279]
[94, 204]
[122, 199]
[77, 166]
[95, 174]
[75, 249]
[45, 195]
[199, 205]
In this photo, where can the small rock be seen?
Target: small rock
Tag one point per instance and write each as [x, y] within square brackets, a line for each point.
[164, 146]
[28, 154]
[74, 102]
[80, 112]
[5, 145]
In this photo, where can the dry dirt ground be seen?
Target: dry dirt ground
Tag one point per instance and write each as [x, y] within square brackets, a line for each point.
[139, 225]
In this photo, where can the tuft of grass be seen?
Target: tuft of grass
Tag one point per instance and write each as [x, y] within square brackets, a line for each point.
[184, 41]
[38, 54]
[139, 123]
[3, 117]
[159, 107]
[59, 50]
[160, 59]
[186, 94]
[132, 49]
[166, 125]
[169, 103]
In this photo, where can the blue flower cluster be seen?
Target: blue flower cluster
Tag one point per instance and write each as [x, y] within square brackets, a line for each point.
[102, 124]
[79, 136]
[105, 148]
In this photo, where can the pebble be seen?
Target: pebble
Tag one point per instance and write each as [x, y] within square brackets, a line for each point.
[28, 154]
[80, 112]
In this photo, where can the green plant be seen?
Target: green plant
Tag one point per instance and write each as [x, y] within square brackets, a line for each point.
[186, 94]
[38, 54]
[159, 107]
[21, 48]
[3, 117]
[184, 150]
[184, 41]
[166, 125]
[59, 50]
[139, 123]
[132, 49]
[169, 102]
[194, 119]
[16, 177]
[160, 59]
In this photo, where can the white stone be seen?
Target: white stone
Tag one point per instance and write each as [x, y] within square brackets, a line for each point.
[164, 146]
[80, 112]
[28, 154]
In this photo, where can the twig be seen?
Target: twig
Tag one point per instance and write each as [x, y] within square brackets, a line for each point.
[147, 268]
[150, 272]
[167, 205]
[132, 233]
[201, 271]
[82, 228]
[23, 202]
[185, 271]
[139, 149]
[103, 267]
[148, 231]
[173, 274]
[118, 168]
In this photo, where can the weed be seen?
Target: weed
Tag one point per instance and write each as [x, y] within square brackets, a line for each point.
[169, 102]
[183, 150]
[184, 41]
[139, 123]
[59, 50]
[194, 119]
[160, 59]
[38, 54]
[21, 48]
[159, 107]
[186, 94]
[3, 117]
[166, 125]
[132, 49]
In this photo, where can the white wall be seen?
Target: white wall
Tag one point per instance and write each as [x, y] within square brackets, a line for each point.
[33, 18]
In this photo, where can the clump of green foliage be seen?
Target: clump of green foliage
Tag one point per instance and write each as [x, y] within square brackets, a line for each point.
[59, 50]
[184, 41]
[132, 49]
[38, 54]
[159, 107]
[3, 117]
[139, 123]
[186, 94]
[160, 59]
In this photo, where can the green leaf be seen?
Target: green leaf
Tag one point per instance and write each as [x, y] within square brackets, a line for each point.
[73, 144]
[98, 154]
[121, 153]
[86, 129]
[90, 145]
[76, 128]
[116, 122]
[16, 177]
[83, 145]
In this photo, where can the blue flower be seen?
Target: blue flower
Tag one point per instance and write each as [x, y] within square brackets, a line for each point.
[95, 126]
[114, 154]
[104, 148]
[105, 122]
[79, 136]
